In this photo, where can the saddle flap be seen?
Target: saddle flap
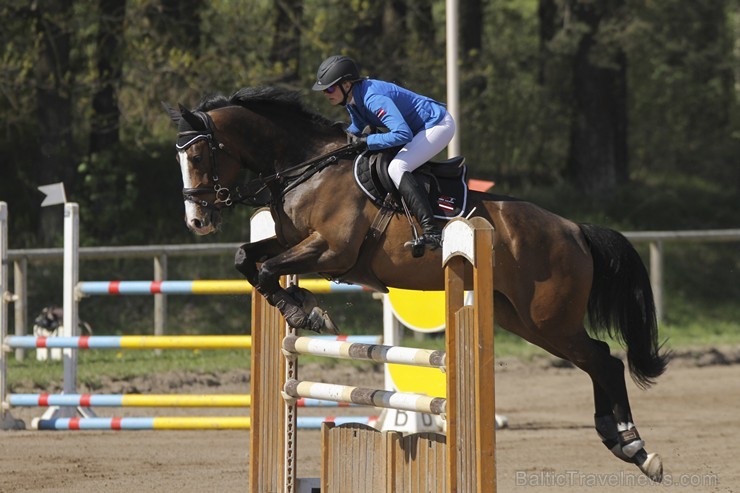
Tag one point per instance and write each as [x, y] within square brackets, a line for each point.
[449, 196]
[449, 168]
[379, 167]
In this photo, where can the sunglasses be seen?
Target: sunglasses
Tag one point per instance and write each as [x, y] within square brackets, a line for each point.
[330, 89]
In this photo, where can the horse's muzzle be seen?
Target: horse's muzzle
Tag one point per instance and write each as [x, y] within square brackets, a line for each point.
[205, 223]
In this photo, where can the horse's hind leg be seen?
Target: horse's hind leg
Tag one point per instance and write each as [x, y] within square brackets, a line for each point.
[613, 416]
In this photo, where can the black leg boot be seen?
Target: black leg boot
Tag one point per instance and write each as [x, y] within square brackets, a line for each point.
[416, 200]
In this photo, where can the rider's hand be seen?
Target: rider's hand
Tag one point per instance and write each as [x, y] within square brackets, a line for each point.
[358, 141]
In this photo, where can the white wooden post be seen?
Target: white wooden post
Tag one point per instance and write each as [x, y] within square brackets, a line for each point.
[7, 422]
[71, 277]
[453, 92]
[656, 277]
[20, 270]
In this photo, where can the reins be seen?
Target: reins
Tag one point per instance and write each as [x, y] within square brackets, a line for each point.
[329, 155]
[314, 164]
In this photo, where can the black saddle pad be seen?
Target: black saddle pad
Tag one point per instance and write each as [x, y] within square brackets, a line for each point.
[445, 182]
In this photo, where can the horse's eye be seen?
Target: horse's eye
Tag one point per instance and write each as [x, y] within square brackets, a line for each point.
[197, 159]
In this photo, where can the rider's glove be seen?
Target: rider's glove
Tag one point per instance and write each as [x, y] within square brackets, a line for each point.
[358, 141]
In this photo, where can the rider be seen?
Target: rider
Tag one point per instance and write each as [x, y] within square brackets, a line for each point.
[421, 125]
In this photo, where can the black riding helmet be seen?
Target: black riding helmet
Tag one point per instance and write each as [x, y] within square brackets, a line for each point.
[335, 69]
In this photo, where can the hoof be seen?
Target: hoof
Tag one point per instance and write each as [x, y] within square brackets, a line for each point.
[652, 466]
[319, 321]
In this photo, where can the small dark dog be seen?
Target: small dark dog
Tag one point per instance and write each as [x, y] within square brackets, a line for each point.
[48, 323]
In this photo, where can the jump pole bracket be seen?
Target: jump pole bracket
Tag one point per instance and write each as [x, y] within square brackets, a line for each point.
[289, 356]
[289, 399]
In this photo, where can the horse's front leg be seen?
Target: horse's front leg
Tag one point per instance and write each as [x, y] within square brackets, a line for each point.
[250, 254]
[299, 306]
[293, 302]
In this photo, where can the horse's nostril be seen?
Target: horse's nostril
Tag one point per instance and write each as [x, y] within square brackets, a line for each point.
[196, 223]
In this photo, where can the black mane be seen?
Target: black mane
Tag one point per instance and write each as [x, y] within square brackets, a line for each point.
[262, 98]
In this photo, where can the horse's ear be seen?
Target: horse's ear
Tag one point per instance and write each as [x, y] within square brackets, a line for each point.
[175, 115]
[195, 122]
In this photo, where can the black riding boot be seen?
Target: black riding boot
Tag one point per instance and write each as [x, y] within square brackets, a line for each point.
[416, 200]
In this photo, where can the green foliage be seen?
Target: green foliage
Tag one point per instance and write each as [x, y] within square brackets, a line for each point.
[681, 62]
[510, 130]
[683, 108]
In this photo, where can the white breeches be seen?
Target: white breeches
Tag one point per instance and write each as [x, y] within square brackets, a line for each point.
[423, 147]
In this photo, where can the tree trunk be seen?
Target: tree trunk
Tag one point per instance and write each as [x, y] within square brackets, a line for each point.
[286, 41]
[547, 13]
[420, 22]
[366, 26]
[598, 143]
[106, 115]
[54, 161]
[474, 81]
[734, 13]
[471, 27]
[392, 41]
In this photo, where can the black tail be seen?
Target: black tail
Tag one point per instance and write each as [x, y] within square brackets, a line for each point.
[621, 302]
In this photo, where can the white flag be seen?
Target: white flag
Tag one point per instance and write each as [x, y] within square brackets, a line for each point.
[54, 194]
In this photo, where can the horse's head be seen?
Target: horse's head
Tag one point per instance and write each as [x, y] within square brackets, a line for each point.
[209, 171]
[266, 131]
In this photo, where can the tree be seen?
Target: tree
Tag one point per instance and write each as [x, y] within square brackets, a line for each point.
[471, 27]
[54, 161]
[471, 41]
[420, 60]
[286, 41]
[684, 89]
[421, 24]
[104, 128]
[598, 145]
[584, 65]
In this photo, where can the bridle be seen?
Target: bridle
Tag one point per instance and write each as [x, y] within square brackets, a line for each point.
[223, 195]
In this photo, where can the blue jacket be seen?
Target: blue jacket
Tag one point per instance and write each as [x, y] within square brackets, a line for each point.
[402, 112]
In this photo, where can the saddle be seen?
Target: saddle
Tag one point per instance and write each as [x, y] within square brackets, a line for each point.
[446, 185]
[444, 181]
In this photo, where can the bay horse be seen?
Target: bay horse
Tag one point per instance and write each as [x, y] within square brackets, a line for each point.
[551, 273]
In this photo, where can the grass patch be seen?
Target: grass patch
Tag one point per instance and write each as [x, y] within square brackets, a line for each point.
[122, 365]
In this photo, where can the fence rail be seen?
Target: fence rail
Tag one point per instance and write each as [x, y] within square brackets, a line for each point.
[161, 253]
